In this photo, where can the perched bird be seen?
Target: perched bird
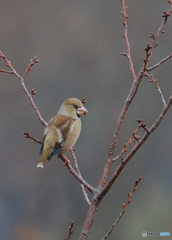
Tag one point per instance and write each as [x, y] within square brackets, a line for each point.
[63, 130]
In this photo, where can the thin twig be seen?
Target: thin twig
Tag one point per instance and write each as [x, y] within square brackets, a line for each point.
[124, 209]
[70, 231]
[77, 168]
[158, 64]
[128, 54]
[133, 138]
[27, 135]
[32, 62]
[5, 71]
[148, 50]
[74, 173]
[13, 71]
[155, 38]
[156, 85]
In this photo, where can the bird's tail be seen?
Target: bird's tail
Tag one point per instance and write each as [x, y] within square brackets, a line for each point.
[44, 157]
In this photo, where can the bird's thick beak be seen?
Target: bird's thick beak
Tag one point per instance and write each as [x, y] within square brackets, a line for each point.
[82, 111]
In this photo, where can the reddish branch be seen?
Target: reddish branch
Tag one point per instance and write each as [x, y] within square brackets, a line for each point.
[96, 201]
[128, 101]
[134, 150]
[27, 135]
[70, 231]
[158, 64]
[13, 71]
[32, 62]
[124, 208]
[128, 55]
[77, 168]
[74, 173]
[133, 138]
[156, 85]
[103, 188]
[154, 44]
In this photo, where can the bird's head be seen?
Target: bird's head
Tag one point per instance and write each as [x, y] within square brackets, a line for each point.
[73, 107]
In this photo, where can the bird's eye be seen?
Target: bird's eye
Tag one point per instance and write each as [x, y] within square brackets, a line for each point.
[75, 106]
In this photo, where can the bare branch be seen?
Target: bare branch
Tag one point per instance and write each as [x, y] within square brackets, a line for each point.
[133, 138]
[148, 50]
[158, 64]
[129, 99]
[5, 71]
[124, 209]
[8, 64]
[70, 231]
[134, 150]
[128, 54]
[27, 135]
[77, 168]
[102, 184]
[32, 62]
[154, 44]
[74, 173]
[160, 29]
[156, 85]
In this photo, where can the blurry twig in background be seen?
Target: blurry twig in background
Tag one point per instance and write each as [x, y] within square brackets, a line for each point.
[70, 231]
[124, 209]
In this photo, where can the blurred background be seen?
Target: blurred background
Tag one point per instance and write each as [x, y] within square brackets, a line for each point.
[79, 45]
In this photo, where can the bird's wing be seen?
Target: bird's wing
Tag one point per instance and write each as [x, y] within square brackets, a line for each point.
[55, 136]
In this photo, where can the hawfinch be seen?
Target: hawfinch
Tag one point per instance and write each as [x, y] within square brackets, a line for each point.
[63, 130]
